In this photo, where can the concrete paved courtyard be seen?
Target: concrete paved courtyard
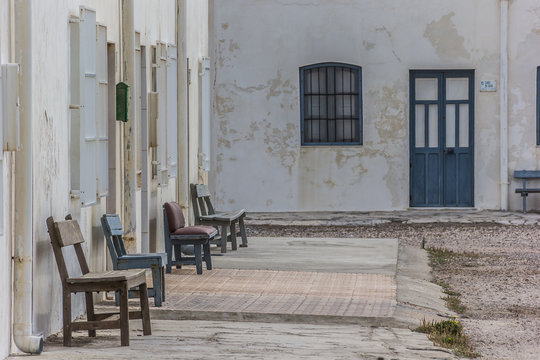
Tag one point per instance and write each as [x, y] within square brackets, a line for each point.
[286, 298]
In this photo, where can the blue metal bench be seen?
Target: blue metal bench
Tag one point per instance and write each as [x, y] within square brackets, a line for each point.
[121, 260]
[525, 175]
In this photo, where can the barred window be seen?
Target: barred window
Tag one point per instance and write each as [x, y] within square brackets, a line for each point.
[331, 104]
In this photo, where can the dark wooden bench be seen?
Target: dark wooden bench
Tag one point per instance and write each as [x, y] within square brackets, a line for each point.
[525, 175]
[68, 233]
[205, 214]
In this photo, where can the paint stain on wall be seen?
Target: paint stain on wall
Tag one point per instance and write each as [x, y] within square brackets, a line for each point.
[277, 86]
[282, 143]
[391, 123]
[444, 37]
[368, 45]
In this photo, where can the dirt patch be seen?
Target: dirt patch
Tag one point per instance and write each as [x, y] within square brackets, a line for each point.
[498, 275]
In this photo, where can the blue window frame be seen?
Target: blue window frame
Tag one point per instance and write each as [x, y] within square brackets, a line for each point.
[331, 104]
[538, 105]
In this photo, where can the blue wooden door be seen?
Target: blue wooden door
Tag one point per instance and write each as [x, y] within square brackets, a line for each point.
[441, 138]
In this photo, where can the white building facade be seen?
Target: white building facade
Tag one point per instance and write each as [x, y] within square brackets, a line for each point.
[361, 105]
[72, 156]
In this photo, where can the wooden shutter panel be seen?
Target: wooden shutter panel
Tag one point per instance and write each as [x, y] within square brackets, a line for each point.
[172, 117]
[162, 114]
[102, 158]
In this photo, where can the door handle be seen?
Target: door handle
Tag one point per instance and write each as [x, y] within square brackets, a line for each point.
[448, 151]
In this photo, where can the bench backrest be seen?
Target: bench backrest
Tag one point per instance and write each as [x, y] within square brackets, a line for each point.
[112, 228]
[63, 234]
[527, 174]
[202, 204]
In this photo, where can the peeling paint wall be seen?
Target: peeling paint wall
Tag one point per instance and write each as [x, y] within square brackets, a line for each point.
[259, 47]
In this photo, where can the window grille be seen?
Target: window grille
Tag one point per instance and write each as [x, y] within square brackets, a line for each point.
[331, 104]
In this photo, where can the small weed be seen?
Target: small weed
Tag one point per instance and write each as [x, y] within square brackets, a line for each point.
[452, 298]
[440, 256]
[454, 303]
[448, 334]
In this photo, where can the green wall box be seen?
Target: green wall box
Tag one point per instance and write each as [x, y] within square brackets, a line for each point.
[122, 96]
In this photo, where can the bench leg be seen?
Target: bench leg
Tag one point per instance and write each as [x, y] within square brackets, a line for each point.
[223, 239]
[198, 258]
[66, 304]
[177, 255]
[90, 311]
[524, 196]
[234, 246]
[242, 232]
[156, 280]
[124, 316]
[168, 250]
[162, 274]
[145, 311]
[207, 256]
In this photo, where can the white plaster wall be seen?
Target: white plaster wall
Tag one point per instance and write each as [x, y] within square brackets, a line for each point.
[523, 59]
[5, 189]
[258, 49]
[197, 47]
[50, 36]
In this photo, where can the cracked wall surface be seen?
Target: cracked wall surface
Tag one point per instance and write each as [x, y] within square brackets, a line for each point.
[260, 46]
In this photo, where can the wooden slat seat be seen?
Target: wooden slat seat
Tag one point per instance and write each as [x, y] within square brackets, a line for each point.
[528, 190]
[114, 275]
[205, 214]
[224, 215]
[68, 233]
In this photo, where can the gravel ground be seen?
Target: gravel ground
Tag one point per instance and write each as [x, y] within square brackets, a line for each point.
[497, 273]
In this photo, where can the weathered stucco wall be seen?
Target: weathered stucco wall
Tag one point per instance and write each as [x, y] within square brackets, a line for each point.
[259, 47]
[51, 179]
[523, 59]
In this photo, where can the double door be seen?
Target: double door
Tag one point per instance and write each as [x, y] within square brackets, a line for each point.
[442, 138]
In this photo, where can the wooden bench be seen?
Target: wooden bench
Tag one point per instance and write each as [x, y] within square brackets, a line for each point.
[525, 175]
[68, 233]
[121, 260]
[205, 214]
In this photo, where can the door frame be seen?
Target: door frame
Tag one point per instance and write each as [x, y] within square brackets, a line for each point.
[442, 75]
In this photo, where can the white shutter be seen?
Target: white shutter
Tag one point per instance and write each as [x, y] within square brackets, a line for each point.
[84, 135]
[172, 118]
[138, 108]
[102, 158]
[75, 108]
[162, 113]
[1, 131]
[10, 130]
[204, 127]
[1, 155]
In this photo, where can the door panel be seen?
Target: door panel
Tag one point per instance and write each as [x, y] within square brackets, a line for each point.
[441, 144]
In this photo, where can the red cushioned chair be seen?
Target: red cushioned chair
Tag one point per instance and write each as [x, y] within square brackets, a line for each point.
[177, 234]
